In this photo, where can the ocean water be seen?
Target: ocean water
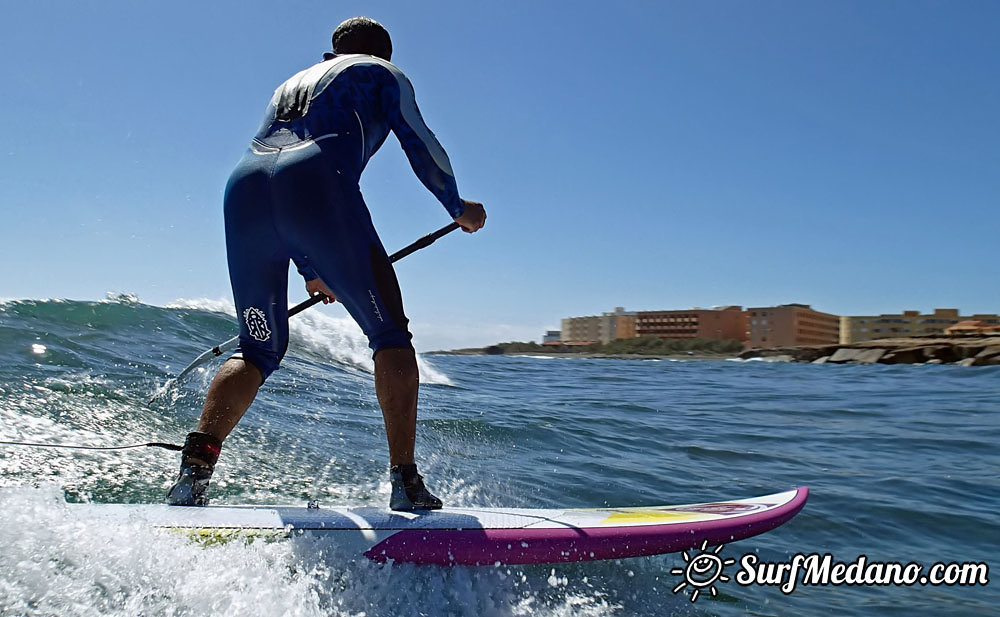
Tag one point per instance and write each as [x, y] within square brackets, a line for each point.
[902, 462]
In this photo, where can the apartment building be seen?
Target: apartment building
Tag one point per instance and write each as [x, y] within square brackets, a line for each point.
[717, 323]
[616, 324]
[858, 328]
[602, 328]
[552, 337]
[580, 329]
[625, 326]
[790, 324]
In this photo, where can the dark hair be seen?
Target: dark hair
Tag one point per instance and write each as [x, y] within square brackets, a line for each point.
[362, 35]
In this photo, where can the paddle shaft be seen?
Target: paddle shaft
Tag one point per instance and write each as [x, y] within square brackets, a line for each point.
[401, 253]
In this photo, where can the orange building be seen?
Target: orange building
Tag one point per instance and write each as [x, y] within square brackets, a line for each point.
[625, 326]
[789, 325]
[724, 323]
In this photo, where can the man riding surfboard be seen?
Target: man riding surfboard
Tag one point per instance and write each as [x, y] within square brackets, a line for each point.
[295, 195]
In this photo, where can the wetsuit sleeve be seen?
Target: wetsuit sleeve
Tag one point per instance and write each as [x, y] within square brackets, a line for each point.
[307, 272]
[427, 157]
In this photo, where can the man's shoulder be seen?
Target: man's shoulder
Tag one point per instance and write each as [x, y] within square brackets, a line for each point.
[373, 66]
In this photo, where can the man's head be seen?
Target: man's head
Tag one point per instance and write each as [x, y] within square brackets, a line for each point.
[362, 35]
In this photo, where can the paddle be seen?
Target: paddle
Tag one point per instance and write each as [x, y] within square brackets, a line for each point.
[231, 344]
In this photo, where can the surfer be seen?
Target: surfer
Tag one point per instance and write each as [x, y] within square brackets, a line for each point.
[295, 195]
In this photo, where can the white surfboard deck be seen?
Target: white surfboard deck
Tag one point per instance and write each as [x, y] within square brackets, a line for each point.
[480, 535]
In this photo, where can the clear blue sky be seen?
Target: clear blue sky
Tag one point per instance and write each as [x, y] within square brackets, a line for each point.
[652, 155]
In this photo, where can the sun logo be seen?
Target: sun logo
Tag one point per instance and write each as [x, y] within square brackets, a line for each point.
[257, 323]
[702, 571]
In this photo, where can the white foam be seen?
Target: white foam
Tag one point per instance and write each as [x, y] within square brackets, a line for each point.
[4, 302]
[341, 340]
[68, 411]
[117, 297]
[58, 560]
[204, 304]
[59, 564]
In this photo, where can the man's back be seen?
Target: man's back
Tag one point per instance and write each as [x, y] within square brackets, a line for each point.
[362, 97]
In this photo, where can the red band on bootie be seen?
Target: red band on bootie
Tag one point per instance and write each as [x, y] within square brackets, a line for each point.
[202, 446]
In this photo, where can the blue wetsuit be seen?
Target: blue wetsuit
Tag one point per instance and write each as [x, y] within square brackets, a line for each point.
[295, 195]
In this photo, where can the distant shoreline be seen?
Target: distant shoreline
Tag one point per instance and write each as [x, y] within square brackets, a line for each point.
[960, 350]
[481, 351]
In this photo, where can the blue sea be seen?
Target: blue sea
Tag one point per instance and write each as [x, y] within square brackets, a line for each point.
[902, 462]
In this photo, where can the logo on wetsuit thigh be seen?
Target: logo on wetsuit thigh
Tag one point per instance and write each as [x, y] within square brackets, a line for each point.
[257, 323]
[378, 313]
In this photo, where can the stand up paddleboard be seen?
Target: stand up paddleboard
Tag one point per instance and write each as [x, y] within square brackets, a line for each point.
[483, 536]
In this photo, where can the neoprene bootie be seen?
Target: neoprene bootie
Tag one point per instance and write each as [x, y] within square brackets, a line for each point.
[198, 459]
[408, 490]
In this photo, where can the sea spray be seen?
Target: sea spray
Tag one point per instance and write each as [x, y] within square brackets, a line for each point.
[66, 560]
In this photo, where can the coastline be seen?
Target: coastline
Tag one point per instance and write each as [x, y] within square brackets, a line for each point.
[482, 351]
[958, 350]
[934, 349]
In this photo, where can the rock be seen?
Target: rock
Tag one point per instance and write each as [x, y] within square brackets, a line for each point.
[968, 351]
[988, 352]
[982, 360]
[904, 350]
[924, 353]
[843, 355]
[859, 356]
[812, 353]
[870, 356]
[906, 355]
[944, 353]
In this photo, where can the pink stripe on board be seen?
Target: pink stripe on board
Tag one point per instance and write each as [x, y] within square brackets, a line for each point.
[526, 546]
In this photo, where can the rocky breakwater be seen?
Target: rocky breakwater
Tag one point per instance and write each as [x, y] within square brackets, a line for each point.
[964, 350]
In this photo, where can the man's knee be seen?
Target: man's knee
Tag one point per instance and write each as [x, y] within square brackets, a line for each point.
[401, 353]
[397, 361]
[264, 362]
[237, 363]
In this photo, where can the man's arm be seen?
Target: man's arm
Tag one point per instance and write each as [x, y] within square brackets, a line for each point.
[429, 160]
[305, 270]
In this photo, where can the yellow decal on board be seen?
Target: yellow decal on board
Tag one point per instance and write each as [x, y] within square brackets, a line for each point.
[208, 536]
[624, 517]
